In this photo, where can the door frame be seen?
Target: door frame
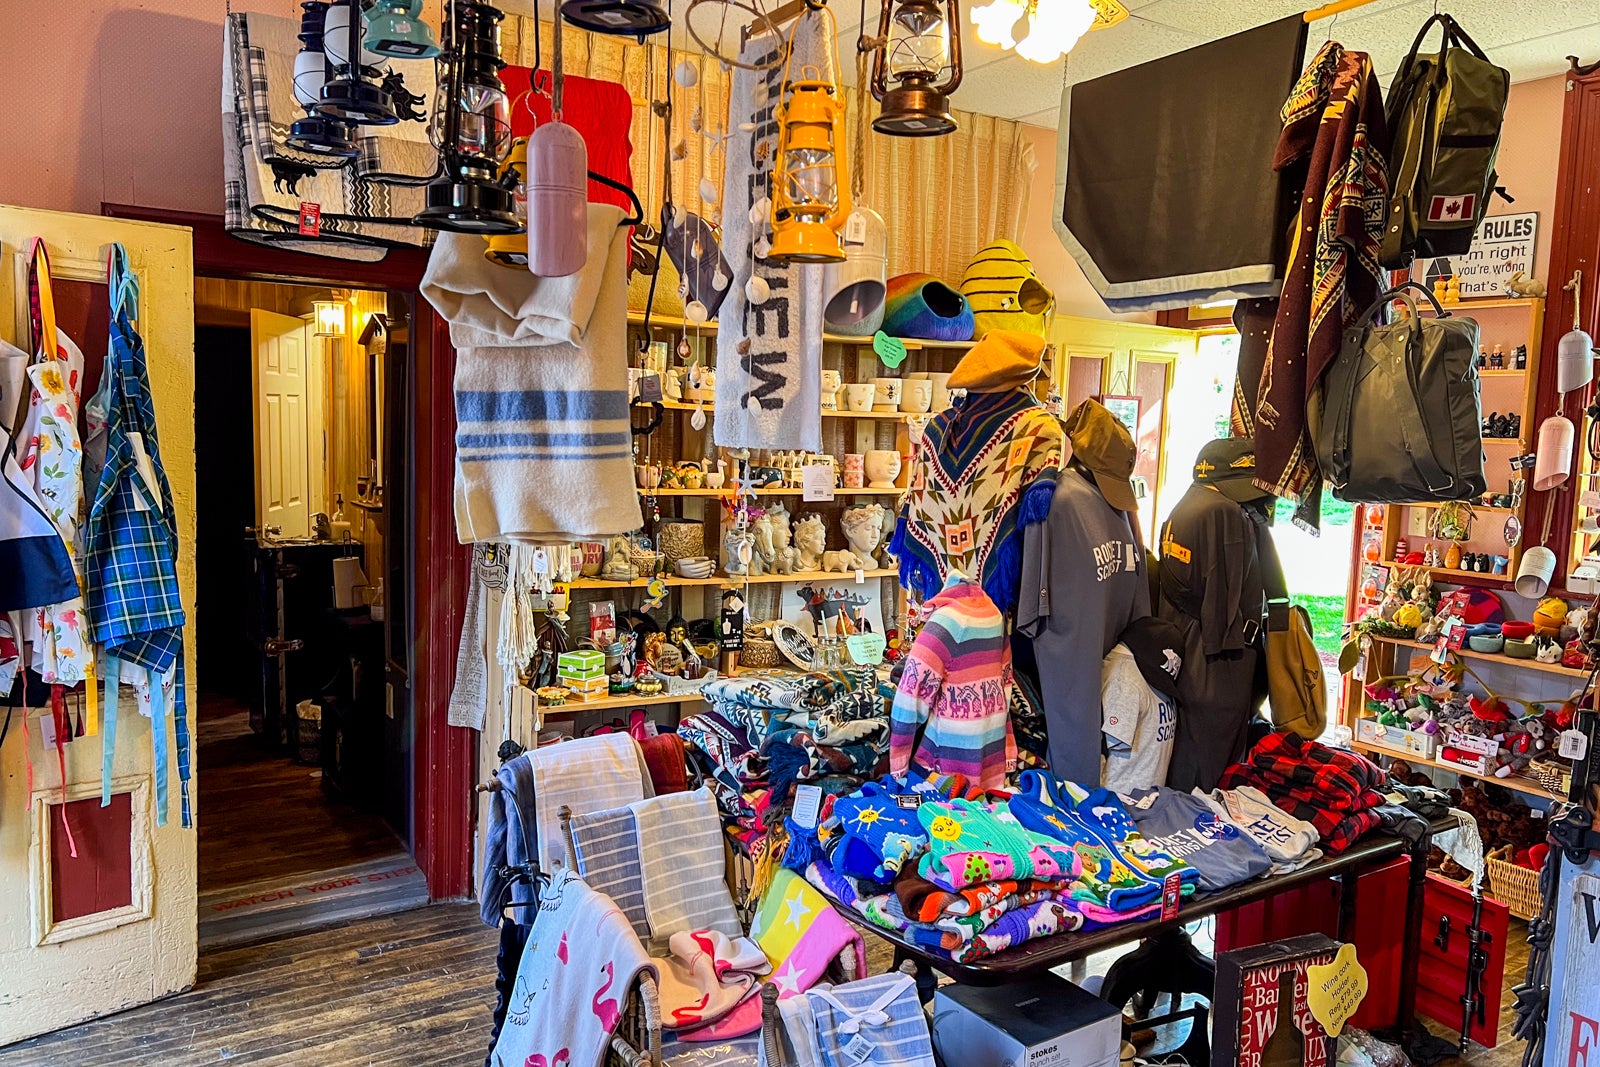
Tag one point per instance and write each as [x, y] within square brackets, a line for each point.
[444, 757]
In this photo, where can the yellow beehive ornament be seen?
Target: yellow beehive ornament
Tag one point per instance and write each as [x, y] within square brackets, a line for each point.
[1004, 292]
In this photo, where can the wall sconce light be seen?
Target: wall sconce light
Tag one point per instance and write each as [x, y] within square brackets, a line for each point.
[920, 42]
[471, 129]
[328, 318]
[810, 196]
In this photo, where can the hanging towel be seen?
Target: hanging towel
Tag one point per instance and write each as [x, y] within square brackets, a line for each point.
[543, 447]
[589, 774]
[574, 981]
[769, 353]
[681, 855]
[1164, 172]
[1333, 147]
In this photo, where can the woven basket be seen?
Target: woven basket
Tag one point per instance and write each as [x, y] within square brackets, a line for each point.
[1514, 885]
[759, 649]
[681, 539]
[647, 563]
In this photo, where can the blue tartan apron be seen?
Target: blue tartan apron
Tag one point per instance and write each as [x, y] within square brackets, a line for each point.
[131, 552]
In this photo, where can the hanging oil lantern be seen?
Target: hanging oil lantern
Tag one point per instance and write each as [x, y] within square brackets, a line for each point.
[921, 44]
[810, 191]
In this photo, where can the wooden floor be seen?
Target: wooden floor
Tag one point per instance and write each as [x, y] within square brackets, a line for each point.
[409, 989]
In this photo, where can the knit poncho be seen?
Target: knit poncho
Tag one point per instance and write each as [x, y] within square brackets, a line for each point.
[985, 468]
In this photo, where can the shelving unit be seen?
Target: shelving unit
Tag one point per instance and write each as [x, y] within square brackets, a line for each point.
[1457, 577]
[1515, 782]
[1490, 657]
[580, 707]
[729, 493]
[673, 581]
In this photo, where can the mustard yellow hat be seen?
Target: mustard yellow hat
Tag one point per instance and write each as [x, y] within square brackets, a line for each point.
[1004, 359]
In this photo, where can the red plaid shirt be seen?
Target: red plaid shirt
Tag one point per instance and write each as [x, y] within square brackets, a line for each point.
[1332, 789]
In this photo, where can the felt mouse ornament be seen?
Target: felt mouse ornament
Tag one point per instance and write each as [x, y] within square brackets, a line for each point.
[1491, 710]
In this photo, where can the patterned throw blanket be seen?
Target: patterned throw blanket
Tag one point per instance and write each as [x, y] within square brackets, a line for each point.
[1334, 143]
[985, 469]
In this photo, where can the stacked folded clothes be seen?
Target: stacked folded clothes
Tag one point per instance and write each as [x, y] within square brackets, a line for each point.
[954, 874]
[1333, 790]
[764, 734]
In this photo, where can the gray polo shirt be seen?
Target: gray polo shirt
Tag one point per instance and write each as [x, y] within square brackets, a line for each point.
[1083, 582]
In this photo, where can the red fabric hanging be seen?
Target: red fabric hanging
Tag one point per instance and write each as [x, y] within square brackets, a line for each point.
[601, 112]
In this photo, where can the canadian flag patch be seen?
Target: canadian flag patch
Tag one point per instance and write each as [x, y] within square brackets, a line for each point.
[1451, 208]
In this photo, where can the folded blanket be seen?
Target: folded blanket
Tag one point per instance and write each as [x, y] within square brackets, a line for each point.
[587, 775]
[574, 979]
[707, 975]
[684, 870]
[543, 444]
[883, 1011]
[605, 846]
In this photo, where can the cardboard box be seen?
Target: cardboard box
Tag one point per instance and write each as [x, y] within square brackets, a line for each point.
[1396, 739]
[1467, 761]
[1036, 1022]
[587, 686]
[584, 663]
[1244, 1005]
[1475, 743]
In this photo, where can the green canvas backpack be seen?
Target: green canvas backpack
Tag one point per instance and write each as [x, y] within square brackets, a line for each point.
[1444, 114]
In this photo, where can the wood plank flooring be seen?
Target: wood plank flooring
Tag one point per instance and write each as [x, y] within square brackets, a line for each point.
[414, 988]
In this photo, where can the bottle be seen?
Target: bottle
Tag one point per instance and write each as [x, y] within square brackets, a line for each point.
[1287, 1046]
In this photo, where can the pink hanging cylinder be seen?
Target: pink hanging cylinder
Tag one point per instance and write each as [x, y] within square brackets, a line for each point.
[558, 209]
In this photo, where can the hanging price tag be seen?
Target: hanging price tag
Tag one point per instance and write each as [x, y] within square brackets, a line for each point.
[1171, 896]
[807, 805]
[816, 482]
[855, 229]
[1573, 744]
[310, 219]
[891, 350]
[649, 388]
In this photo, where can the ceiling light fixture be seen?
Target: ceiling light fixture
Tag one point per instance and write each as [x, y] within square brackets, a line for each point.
[1041, 31]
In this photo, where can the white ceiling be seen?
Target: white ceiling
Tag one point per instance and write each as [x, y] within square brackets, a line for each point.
[1531, 39]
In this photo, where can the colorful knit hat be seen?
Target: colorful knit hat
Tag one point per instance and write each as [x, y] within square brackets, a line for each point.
[921, 306]
[1005, 359]
[1004, 292]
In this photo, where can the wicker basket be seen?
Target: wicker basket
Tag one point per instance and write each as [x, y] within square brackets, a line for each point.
[647, 563]
[1514, 885]
[759, 649]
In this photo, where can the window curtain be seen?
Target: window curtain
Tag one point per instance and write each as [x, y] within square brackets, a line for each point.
[943, 198]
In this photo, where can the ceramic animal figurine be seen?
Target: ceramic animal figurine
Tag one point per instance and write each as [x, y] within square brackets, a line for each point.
[845, 560]
[810, 540]
[618, 568]
[774, 553]
[863, 531]
[690, 474]
[1522, 285]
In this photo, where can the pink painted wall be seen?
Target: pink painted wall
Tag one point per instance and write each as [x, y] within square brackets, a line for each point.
[1529, 150]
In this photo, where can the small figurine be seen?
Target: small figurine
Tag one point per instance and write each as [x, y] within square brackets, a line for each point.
[810, 540]
[774, 554]
[1519, 357]
[1392, 600]
[738, 551]
[1523, 285]
[618, 568]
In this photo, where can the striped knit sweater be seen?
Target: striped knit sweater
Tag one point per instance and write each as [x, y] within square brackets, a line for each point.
[956, 680]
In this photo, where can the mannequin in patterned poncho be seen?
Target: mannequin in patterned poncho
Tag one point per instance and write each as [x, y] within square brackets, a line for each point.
[985, 469]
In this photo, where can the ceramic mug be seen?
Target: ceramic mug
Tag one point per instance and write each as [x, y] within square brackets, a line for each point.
[830, 389]
[854, 475]
[917, 396]
[860, 395]
[888, 393]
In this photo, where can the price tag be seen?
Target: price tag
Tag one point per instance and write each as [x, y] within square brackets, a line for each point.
[816, 482]
[310, 219]
[866, 649]
[855, 229]
[1334, 991]
[1573, 744]
[858, 1048]
[909, 801]
[649, 388]
[807, 804]
[47, 730]
[891, 350]
[1171, 896]
[861, 576]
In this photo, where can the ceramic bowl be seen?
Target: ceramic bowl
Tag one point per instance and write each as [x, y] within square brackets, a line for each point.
[1516, 630]
[695, 567]
[1521, 649]
[1487, 642]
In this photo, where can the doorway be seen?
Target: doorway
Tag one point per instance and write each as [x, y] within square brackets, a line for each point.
[307, 796]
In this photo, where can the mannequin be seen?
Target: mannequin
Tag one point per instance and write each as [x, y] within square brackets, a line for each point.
[1083, 582]
[1210, 588]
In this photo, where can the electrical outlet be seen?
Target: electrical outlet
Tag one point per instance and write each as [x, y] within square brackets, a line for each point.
[1418, 522]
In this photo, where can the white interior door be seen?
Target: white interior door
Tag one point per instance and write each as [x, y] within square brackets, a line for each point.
[283, 388]
[103, 920]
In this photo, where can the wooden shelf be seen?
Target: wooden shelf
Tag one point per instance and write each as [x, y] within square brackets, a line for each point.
[1456, 577]
[1515, 782]
[1489, 302]
[729, 492]
[737, 580]
[1493, 657]
[578, 707]
[1489, 372]
[827, 413]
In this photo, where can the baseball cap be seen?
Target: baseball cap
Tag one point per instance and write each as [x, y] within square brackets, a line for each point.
[1228, 465]
[1101, 443]
[1157, 647]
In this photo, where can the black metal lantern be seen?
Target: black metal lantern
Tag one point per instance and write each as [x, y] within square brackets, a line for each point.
[316, 133]
[921, 42]
[351, 94]
[471, 128]
[624, 18]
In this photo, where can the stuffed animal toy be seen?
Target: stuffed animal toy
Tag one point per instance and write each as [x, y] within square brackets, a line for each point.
[1549, 650]
[1393, 600]
[1522, 741]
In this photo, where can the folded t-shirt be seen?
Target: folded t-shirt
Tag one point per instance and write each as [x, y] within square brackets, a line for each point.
[1185, 826]
[1291, 842]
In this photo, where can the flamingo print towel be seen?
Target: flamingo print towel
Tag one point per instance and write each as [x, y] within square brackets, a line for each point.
[577, 970]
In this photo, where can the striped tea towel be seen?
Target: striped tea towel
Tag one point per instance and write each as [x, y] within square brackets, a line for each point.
[587, 775]
[680, 851]
[606, 852]
[543, 448]
[879, 1016]
[771, 352]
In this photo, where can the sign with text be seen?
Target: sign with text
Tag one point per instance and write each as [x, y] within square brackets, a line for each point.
[1334, 991]
[1502, 247]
